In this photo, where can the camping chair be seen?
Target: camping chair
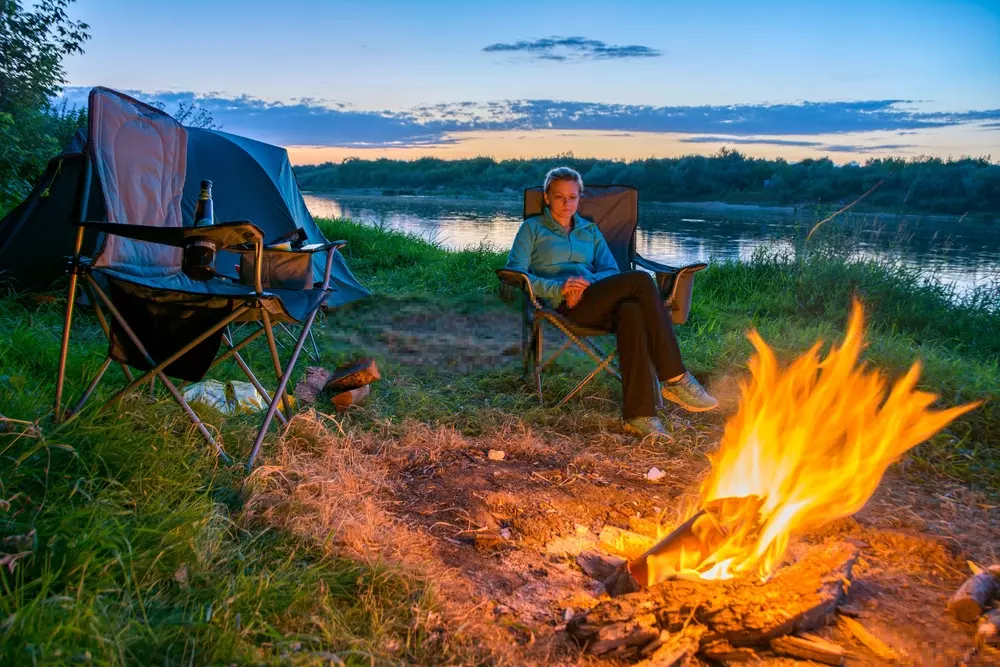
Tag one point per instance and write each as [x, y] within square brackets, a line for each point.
[162, 322]
[615, 210]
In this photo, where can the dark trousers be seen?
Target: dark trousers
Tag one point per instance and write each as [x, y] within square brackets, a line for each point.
[629, 304]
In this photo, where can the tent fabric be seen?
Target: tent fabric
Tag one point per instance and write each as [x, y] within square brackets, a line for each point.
[37, 236]
[139, 155]
[251, 180]
[613, 208]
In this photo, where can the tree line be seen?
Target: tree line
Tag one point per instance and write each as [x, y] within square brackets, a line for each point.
[33, 43]
[922, 185]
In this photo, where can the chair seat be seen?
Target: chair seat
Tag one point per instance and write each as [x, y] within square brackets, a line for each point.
[177, 288]
[576, 329]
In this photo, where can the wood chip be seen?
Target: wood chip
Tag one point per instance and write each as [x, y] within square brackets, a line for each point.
[624, 543]
[809, 649]
[873, 643]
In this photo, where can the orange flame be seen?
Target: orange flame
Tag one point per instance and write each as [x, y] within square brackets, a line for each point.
[808, 445]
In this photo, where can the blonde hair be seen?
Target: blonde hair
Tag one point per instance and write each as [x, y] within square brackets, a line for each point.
[563, 174]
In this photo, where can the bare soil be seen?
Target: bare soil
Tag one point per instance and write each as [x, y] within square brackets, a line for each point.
[509, 530]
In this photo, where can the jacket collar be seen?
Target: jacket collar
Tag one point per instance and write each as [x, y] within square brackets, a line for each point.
[550, 222]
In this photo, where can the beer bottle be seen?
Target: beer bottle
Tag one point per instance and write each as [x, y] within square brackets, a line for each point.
[204, 213]
[199, 252]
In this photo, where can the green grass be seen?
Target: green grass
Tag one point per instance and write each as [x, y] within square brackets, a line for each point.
[793, 300]
[139, 550]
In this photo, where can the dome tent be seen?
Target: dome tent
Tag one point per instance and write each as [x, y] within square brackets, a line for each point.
[251, 180]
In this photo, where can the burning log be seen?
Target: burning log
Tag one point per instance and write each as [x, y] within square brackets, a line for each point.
[973, 597]
[742, 612]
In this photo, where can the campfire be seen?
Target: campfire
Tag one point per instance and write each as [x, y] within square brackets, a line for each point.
[808, 445]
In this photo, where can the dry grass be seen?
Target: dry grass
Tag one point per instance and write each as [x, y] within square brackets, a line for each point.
[332, 487]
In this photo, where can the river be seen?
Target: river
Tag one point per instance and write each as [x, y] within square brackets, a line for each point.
[965, 254]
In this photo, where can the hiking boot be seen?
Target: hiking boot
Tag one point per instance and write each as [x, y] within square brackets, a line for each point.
[646, 426]
[689, 394]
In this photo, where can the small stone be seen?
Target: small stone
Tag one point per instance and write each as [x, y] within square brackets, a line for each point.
[581, 529]
[655, 474]
[505, 533]
[497, 455]
[568, 614]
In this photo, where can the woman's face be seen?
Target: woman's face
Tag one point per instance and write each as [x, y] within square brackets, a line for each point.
[563, 198]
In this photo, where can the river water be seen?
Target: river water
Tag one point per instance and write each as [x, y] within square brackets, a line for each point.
[965, 254]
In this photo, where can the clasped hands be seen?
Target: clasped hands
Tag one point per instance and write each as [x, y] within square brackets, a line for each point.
[572, 290]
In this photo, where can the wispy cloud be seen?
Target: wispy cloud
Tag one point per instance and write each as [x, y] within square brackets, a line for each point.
[710, 139]
[864, 148]
[314, 122]
[563, 49]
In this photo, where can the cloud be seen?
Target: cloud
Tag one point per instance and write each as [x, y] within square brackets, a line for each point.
[562, 49]
[315, 122]
[709, 139]
[862, 148]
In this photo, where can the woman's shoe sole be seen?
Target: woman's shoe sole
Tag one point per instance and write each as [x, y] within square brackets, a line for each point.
[689, 408]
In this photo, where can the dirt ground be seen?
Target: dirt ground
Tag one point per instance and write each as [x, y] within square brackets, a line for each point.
[509, 530]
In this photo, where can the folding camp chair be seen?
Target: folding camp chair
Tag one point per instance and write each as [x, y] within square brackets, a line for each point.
[163, 322]
[615, 210]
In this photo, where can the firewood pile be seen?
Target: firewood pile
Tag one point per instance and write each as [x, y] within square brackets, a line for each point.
[733, 620]
[978, 600]
[719, 620]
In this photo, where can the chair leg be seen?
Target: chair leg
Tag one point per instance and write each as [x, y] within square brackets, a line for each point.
[274, 357]
[280, 392]
[537, 359]
[249, 373]
[315, 347]
[67, 324]
[163, 378]
[90, 390]
[584, 381]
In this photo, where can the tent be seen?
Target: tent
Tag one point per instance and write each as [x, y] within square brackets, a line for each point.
[251, 181]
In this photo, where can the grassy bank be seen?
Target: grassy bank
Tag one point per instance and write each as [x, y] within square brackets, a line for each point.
[137, 547]
[792, 301]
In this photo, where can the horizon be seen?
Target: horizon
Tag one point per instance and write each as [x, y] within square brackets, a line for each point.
[642, 80]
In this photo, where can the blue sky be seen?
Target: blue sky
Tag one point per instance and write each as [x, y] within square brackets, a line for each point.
[403, 79]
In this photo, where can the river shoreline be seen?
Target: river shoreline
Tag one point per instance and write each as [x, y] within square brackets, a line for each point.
[711, 207]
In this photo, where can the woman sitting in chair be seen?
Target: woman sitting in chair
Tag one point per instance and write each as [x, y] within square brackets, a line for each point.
[570, 265]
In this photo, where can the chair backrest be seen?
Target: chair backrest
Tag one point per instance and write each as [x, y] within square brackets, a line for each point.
[139, 156]
[613, 208]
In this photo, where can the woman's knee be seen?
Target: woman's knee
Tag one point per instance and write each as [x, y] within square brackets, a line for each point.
[642, 281]
[631, 312]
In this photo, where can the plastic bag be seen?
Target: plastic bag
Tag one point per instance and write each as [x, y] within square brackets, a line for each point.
[229, 397]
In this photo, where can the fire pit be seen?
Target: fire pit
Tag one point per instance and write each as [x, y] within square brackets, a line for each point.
[718, 618]
[808, 445]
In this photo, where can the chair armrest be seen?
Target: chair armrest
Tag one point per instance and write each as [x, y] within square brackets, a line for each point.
[320, 247]
[676, 285]
[225, 234]
[656, 267]
[519, 280]
[309, 249]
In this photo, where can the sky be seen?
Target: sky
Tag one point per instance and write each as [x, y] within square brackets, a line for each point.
[331, 79]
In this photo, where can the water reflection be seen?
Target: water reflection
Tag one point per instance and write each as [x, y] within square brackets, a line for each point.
[966, 256]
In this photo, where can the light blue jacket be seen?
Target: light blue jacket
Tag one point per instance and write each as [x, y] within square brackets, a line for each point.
[549, 254]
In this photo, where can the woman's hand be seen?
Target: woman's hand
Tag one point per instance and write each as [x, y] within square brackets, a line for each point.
[572, 290]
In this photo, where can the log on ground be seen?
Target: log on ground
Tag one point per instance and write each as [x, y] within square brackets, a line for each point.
[973, 597]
